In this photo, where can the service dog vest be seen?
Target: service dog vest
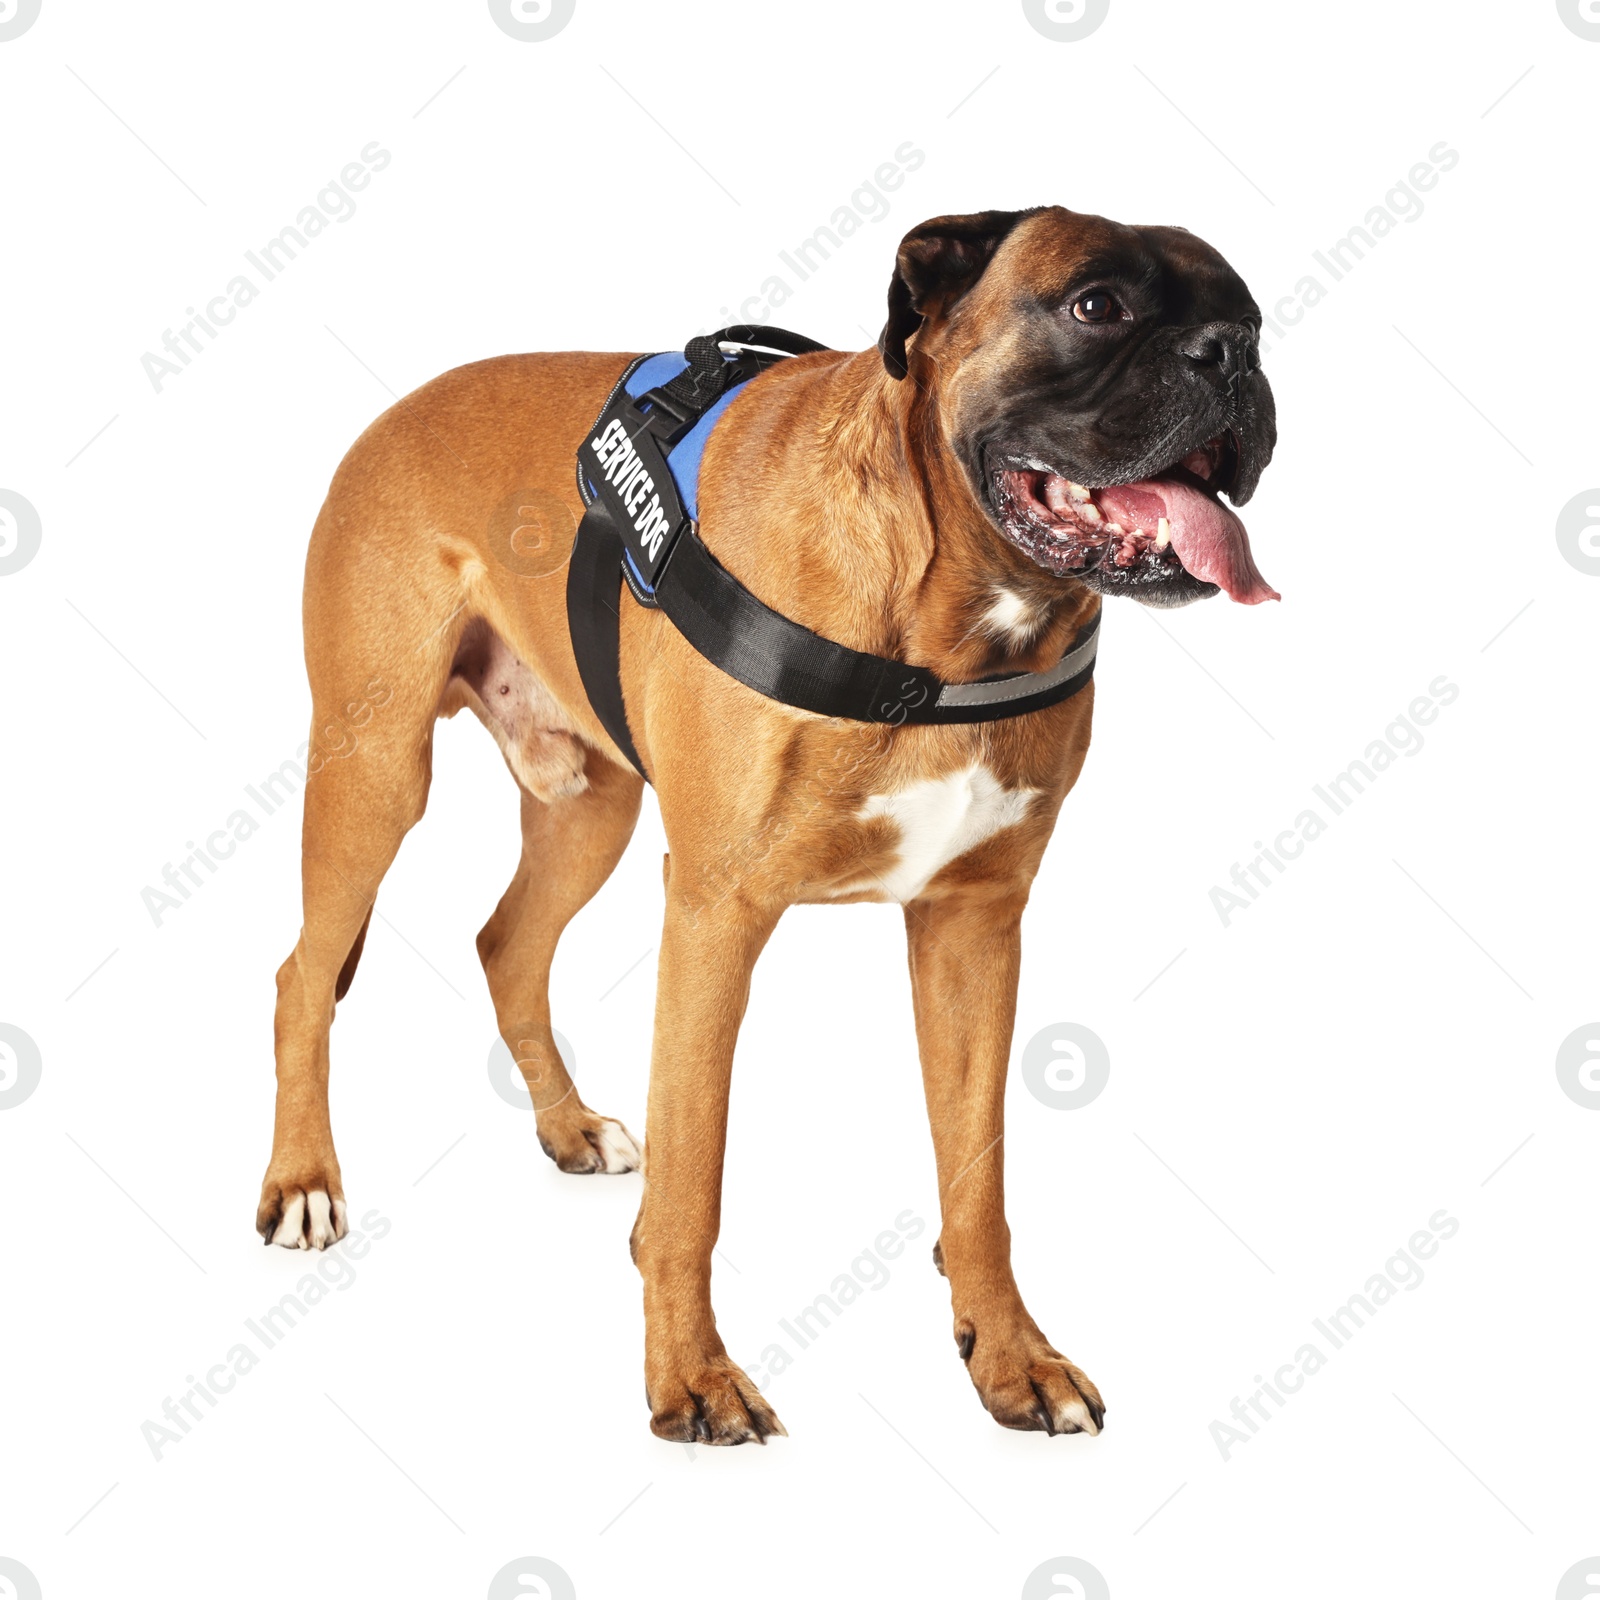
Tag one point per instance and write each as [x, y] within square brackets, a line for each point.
[638, 474]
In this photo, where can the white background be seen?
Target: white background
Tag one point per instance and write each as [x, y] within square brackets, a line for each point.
[1290, 1100]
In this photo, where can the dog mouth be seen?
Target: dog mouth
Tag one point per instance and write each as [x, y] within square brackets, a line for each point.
[1133, 537]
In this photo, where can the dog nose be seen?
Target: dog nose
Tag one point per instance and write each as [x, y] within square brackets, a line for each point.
[1228, 346]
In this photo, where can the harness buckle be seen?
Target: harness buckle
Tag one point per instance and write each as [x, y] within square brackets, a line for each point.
[668, 417]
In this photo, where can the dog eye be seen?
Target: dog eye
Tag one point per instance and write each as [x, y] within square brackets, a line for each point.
[1097, 306]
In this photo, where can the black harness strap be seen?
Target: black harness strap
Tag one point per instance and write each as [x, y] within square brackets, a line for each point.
[636, 530]
[784, 661]
[594, 592]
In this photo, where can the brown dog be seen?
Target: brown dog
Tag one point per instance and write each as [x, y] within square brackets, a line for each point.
[1053, 407]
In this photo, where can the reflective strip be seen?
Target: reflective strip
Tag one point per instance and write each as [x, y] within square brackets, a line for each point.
[1000, 690]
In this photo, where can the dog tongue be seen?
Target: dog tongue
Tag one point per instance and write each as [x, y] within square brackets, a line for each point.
[1207, 537]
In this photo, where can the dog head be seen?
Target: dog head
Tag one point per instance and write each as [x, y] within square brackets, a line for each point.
[1101, 387]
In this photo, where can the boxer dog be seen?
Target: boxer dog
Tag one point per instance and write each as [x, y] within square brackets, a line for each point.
[1053, 412]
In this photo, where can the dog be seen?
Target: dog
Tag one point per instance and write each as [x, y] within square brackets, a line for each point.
[1054, 408]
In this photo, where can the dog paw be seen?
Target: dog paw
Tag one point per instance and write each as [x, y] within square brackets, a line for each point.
[588, 1142]
[1026, 1384]
[307, 1215]
[715, 1404]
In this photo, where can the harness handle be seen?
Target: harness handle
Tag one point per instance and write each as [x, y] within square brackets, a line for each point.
[759, 336]
[681, 401]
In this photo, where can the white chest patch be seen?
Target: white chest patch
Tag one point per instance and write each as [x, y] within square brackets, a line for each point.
[941, 819]
[1009, 619]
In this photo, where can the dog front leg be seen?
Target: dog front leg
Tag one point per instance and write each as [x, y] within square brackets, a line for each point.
[965, 957]
[707, 953]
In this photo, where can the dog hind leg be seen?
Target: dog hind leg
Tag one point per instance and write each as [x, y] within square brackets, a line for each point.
[569, 848]
[369, 768]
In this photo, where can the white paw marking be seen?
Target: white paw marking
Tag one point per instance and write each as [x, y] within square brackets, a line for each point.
[311, 1222]
[319, 1222]
[288, 1232]
[617, 1147]
[941, 819]
[1075, 1414]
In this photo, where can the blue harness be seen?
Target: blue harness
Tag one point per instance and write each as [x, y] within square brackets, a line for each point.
[683, 458]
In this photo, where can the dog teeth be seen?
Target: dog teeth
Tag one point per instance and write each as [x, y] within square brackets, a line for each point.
[1078, 492]
[1163, 533]
[1090, 514]
[1116, 528]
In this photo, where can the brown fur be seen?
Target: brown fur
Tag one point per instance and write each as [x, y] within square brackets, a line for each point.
[876, 541]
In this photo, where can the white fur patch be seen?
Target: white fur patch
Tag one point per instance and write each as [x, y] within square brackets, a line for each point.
[617, 1147]
[319, 1220]
[289, 1233]
[1009, 618]
[941, 819]
[1075, 1415]
[311, 1222]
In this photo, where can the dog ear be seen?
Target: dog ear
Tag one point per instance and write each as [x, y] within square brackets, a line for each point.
[938, 262]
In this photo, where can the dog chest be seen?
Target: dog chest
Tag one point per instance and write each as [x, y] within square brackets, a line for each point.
[940, 819]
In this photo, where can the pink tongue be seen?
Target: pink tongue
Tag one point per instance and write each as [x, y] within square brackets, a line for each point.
[1208, 538]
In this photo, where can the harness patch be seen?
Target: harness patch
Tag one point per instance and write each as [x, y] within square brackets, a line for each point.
[634, 487]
